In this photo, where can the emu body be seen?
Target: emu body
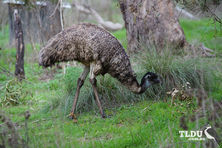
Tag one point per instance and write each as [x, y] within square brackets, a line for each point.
[99, 52]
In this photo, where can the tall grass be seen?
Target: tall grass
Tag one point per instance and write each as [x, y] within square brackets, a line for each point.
[175, 71]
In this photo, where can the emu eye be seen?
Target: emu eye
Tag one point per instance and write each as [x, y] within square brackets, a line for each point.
[148, 76]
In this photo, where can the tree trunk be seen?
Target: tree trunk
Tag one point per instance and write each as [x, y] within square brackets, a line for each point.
[20, 47]
[151, 22]
[39, 22]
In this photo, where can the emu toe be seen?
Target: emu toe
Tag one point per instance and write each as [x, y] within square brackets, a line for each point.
[104, 116]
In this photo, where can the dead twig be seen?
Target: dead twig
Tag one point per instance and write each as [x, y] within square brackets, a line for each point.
[57, 5]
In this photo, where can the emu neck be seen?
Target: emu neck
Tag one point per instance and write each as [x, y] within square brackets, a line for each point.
[144, 86]
[139, 89]
[135, 87]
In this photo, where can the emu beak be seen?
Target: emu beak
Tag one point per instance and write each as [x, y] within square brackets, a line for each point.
[159, 80]
[156, 81]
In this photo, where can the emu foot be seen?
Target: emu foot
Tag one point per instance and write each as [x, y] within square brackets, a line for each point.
[73, 117]
[103, 115]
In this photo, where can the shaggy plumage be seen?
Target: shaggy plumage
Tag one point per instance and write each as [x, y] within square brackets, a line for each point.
[88, 43]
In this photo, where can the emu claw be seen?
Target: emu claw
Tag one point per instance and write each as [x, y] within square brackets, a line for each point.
[73, 117]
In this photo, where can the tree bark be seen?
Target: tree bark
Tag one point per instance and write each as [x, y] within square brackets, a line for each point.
[151, 22]
[20, 47]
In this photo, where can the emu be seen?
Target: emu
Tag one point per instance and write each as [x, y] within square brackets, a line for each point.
[100, 53]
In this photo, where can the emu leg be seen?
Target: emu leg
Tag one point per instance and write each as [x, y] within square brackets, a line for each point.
[93, 82]
[80, 83]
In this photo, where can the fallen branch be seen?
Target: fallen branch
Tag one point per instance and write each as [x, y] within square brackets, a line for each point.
[82, 8]
[207, 51]
[185, 13]
[199, 50]
[108, 25]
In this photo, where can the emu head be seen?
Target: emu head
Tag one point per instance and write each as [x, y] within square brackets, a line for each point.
[148, 79]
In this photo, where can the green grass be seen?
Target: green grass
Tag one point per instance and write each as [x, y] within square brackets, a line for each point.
[121, 36]
[135, 121]
[129, 126]
[203, 31]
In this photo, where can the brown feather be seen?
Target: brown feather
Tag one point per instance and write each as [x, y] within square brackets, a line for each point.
[88, 43]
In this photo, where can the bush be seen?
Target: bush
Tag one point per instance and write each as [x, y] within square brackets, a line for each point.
[13, 93]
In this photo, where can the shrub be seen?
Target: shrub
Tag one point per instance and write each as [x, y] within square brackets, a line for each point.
[13, 93]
